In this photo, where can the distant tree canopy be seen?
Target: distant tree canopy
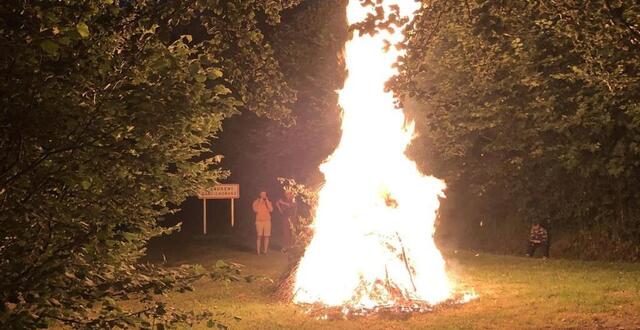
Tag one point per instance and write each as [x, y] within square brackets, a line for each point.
[308, 45]
[107, 112]
[530, 110]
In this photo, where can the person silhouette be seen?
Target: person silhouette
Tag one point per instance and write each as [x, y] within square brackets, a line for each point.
[262, 207]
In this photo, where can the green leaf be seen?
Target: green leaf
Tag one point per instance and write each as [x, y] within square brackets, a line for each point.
[66, 41]
[83, 30]
[85, 184]
[194, 67]
[214, 73]
[201, 78]
[221, 90]
[52, 17]
[50, 47]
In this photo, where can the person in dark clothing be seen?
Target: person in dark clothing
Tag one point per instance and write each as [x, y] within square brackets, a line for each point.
[288, 208]
[538, 237]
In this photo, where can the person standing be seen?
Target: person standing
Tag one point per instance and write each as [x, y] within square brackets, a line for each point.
[288, 209]
[538, 237]
[263, 208]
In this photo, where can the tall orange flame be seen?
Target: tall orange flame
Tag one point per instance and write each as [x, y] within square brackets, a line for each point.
[373, 229]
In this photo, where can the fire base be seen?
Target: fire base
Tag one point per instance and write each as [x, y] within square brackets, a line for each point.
[398, 311]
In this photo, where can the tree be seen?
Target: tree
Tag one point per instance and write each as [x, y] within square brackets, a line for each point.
[308, 45]
[529, 109]
[107, 113]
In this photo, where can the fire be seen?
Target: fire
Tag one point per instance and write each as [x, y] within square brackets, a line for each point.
[373, 229]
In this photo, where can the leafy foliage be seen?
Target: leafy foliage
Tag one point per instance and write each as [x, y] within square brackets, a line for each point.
[308, 45]
[107, 113]
[529, 110]
[302, 234]
[231, 272]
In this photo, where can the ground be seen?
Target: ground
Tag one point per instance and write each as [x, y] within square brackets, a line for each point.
[514, 293]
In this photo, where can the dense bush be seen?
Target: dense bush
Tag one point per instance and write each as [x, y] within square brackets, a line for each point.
[107, 111]
[530, 110]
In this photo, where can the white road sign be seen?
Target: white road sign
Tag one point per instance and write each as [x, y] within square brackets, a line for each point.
[220, 191]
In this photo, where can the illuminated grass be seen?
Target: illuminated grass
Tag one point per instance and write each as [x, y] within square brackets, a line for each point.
[515, 293]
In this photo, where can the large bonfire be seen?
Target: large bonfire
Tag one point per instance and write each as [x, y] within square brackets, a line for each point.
[373, 228]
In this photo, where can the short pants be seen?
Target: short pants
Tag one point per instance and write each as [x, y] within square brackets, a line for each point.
[263, 228]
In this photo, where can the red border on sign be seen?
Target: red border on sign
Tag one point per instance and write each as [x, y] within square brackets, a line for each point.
[208, 193]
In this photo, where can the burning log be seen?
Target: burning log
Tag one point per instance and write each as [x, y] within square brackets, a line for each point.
[406, 262]
[284, 288]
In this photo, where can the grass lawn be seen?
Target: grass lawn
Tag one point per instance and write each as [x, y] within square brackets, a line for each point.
[514, 293]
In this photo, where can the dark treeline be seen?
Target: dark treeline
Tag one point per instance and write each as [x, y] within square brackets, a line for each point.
[308, 45]
[530, 111]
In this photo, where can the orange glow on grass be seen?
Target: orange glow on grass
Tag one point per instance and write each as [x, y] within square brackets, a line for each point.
[373, 228]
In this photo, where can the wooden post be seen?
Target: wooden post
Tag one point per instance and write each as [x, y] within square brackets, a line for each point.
[204, 216]
[232, 217]
[219, 191]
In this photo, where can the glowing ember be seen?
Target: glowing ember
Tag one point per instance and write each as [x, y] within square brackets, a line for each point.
[373, 231]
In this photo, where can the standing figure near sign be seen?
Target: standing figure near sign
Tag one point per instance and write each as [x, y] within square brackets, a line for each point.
[288, 209]
[263, 208]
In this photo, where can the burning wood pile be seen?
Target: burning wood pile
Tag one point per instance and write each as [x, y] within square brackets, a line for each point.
[372, 247]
